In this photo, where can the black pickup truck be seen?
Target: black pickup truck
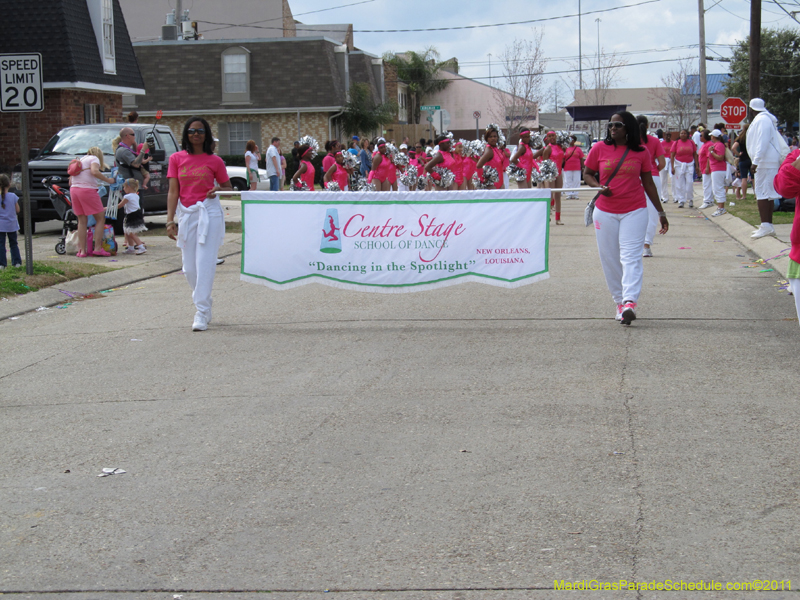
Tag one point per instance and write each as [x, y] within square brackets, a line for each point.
[74, 141]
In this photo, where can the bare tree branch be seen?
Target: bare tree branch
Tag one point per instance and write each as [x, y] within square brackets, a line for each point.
[679, 107]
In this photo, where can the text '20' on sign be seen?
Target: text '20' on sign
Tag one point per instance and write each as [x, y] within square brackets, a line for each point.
[21, 83]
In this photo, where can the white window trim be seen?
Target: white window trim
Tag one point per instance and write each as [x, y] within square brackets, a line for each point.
[97, 12]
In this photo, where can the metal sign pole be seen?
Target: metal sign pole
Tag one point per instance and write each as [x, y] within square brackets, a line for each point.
[26, 192]
[477, 130]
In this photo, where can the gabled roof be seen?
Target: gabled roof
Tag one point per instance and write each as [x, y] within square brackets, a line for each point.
[715, 84]
[61, 30]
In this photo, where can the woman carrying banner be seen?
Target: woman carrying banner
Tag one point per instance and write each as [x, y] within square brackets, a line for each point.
[384, 173]
[622, 168]
[684, 162]
[573, 167]
[492, 155]
[200, 228]
[657, 154]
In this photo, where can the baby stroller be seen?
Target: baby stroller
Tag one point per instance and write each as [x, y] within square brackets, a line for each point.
[63, 205]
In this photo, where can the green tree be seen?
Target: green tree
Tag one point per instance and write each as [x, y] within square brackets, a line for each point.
[362, 114]
[420, 70]
[780, 72]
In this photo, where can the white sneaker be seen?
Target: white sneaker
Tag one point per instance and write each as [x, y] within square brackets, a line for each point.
[706, 205]
[140, 249]
[680, 205]
[720, 211]
[691, 204]
[130, 250]
[647, 252]
[763, 231]
[220, 261]
[200, 323]
[628, 313]
[619, 313]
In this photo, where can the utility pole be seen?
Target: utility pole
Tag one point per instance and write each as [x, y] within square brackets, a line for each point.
[755, 49]
[580, 51]
[490, 68]
[179, 17]
[703, 92]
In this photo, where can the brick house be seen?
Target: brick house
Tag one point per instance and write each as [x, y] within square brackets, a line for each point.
[88, 63]
[254, 88]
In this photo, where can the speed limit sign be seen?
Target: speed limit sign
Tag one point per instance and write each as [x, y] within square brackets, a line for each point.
[21, 83]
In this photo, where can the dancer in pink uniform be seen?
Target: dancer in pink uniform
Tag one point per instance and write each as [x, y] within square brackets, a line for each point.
[384, 173]
[554, 152]
[492, 156]
[442, 158]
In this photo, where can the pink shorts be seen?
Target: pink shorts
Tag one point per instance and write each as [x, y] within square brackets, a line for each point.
[85, 201]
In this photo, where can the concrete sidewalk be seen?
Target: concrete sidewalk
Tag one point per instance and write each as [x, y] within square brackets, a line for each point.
[467, 443]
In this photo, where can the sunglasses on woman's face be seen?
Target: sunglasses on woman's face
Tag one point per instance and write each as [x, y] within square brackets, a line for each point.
[615, 125]
[193, 131]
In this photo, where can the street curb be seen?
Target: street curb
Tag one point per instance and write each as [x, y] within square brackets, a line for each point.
[767, 248]
[51, 296]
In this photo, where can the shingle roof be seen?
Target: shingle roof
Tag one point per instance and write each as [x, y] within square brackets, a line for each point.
[284, 73]
[61, 30]
[361, 72]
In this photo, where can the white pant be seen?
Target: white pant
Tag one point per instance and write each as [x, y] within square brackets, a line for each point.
[572, 179]
[200, 236]
[764, 188]
[708, 193]
[718, 186]
[682, 182]
[652, 214]
[664, 174]
[619, 241]
[794, 284]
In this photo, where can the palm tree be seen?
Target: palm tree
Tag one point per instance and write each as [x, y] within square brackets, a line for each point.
[420, 70]
[363, 115]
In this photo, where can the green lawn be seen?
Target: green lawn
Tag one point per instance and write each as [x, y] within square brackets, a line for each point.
[747, 210]
[14, 280]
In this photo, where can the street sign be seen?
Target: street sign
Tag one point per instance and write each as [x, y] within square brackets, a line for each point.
[430, 108]
[430, 119]
[732, 126]
[733, 110]
[21, 83]
[476, 114]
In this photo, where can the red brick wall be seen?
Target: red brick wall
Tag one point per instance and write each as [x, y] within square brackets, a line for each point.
[61, 109]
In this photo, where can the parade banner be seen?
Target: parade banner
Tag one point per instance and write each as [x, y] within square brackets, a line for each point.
[395, 242]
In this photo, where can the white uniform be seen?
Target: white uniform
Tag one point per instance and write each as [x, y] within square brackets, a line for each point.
[763, 151]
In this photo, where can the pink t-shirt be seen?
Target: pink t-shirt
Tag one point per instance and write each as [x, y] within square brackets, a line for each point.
[556, 154]
[702, 156]
[667, 145]
[573, 154]
[196, 174]
[327, 162]
[684, 150]
[86, 179]
[627, 192]
[656, 149]
[719, 150]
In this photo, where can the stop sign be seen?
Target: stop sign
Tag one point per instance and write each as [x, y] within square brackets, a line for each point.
[733, 110]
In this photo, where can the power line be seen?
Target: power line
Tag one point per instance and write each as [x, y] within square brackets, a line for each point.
[575, 57]
[457, 28]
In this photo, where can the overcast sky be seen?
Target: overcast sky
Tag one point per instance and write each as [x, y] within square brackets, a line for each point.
[650, 32]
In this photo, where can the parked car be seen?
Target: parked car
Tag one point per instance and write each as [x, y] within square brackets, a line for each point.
[238, 177]
[74, 141]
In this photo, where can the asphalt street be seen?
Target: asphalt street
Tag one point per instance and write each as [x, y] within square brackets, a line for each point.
[466, 443]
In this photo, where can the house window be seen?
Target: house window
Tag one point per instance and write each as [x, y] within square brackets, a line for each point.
[93, 113]
[238, 136]
[236, 75]
[102, 15]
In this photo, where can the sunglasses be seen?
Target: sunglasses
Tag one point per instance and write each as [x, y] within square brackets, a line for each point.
[615, 125]
[198, 131]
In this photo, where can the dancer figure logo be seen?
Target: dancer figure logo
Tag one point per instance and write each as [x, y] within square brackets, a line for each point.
[331, 241]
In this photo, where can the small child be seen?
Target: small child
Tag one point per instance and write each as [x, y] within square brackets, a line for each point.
[134, 218]
[9, 224]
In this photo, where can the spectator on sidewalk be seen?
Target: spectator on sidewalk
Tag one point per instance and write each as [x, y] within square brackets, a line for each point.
[9, 223]
[128, 160]
[274, 164]
[764, 143]
[787, 183]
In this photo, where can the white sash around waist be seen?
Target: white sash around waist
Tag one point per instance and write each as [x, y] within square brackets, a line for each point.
[209, 208]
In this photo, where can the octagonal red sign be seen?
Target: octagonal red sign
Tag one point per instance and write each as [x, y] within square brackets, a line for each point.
[733, 110]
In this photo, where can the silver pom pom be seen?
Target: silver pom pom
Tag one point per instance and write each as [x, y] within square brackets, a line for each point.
[475, 148]
[400, 159]
[548, 171]
[408, 177]
[366, 186]
[562, 138]
[333, 186]
[490, 177]
[445, 177]
[516, 172]
[298, 186]
[312, 143]
[422, 184]
[537, 141]
[476, 182]
[349, 161]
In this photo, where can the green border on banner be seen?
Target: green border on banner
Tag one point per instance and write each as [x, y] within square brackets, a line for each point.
[414, 202]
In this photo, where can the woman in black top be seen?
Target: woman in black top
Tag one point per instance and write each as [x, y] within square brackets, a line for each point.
[739, 150]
